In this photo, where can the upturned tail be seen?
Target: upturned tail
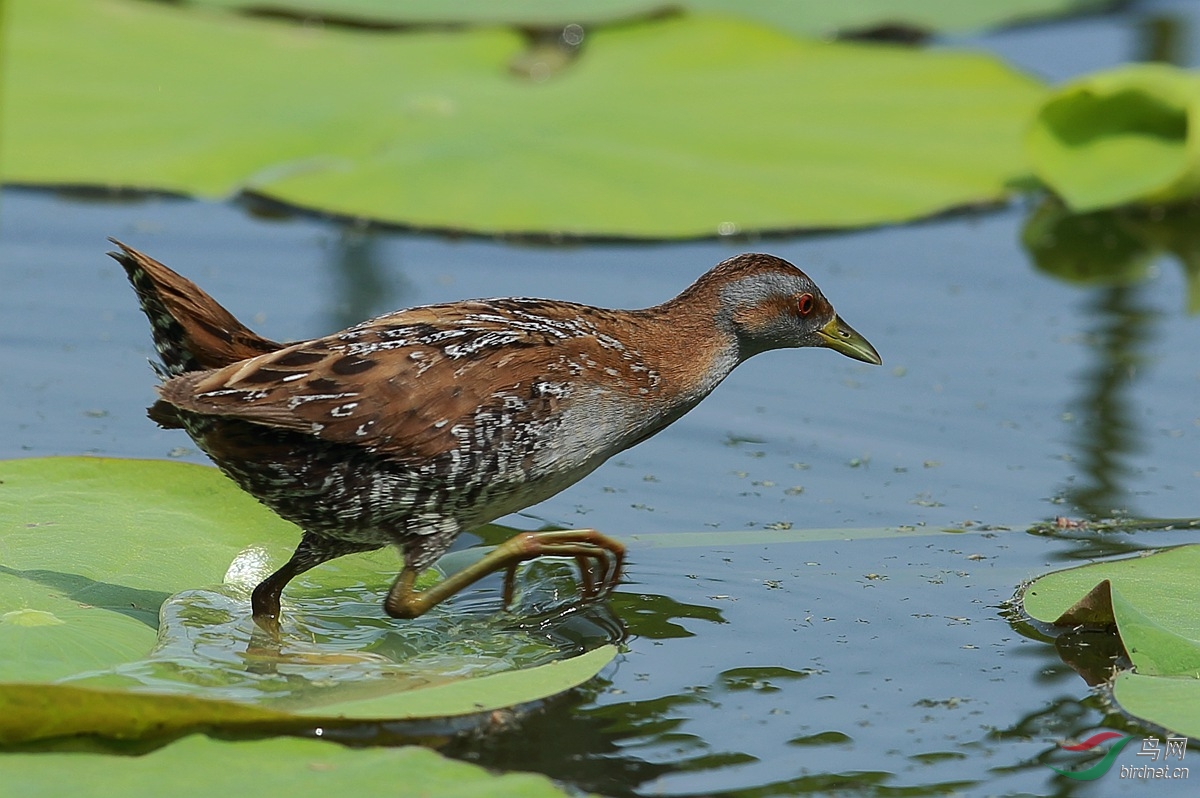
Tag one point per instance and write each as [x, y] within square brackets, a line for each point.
[191, 331]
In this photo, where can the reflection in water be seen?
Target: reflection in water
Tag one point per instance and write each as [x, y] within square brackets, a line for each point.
[578, 742]
[362, 291]
[1112, 251]
[610, 749]
[1092, 653]
[1163, 38]
[654, 616]
[1107, 431]
[616, 748]
[621, 749]
[1059, 720]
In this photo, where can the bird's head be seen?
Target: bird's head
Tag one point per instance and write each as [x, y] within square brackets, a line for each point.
[767, 303]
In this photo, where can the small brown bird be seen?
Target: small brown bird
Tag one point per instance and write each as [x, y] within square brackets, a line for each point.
[414, 426]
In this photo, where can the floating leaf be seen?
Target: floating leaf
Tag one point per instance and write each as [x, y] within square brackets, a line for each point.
[805, 18]
[1122, 136]
[96, 552]
[200, 767]
[1152, 602]
[1162, 585]
[675, 127]
[1154, 648]
[1170, 703]
[30, 712]
[1094, 609]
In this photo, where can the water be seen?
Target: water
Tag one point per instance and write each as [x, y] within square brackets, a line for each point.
[997, 379]
[870, 663]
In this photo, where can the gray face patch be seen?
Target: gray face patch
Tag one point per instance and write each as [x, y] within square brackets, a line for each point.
[780, 331]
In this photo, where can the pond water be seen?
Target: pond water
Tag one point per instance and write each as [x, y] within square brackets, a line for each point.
[820, 554]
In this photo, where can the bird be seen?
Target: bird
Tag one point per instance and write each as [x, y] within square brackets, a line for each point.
[414, 426]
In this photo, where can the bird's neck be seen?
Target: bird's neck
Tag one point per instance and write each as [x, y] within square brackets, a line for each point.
[690, 344]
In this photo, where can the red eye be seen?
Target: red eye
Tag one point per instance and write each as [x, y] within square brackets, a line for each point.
[804, 304]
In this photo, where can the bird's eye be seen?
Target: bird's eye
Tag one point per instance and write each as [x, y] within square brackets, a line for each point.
[804, 304]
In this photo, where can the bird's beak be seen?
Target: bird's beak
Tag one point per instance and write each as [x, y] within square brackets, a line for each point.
[841, 337]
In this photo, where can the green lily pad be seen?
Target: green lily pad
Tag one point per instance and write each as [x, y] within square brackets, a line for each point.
[676, 127]
[41, 711]
[1156, 649]
[124, 612]
[515, 13]
[1151, 601]
[202, 767]
[1169, 703]
[1162, 585]
[1128, 135]
[805, 18]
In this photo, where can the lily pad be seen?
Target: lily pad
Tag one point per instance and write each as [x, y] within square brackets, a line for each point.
[1162, 584]
[41, 711]
[1169, 703]
[1151, 602]
[1128, 135]
[805, 18]
[676, 127]
[124, 612]
[202, 767]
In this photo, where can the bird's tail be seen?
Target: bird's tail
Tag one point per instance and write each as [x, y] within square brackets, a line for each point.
[191, 331]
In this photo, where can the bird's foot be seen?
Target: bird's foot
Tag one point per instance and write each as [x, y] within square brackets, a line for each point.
[599, 558]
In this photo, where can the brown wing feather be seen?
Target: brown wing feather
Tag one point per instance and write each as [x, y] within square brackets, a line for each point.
[401, 384]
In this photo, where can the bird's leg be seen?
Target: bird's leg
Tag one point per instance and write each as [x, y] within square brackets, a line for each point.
[264, 601]
[588, 547]
[311, 552]
[586, 585]
[510, 580]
